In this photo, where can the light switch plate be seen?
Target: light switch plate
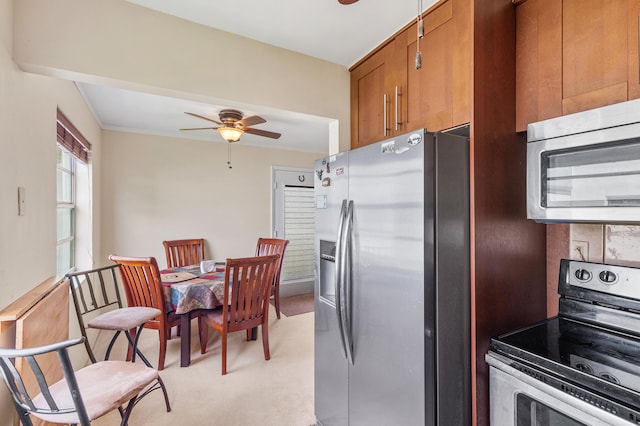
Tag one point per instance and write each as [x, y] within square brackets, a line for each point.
[20, 201]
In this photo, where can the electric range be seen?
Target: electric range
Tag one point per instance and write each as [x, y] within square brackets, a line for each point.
[581, 367]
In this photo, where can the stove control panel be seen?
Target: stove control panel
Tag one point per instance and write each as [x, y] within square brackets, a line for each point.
[621, 281]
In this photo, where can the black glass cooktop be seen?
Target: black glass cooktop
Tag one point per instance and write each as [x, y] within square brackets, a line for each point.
[577, 351]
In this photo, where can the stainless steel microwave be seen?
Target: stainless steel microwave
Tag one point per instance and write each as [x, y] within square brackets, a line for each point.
[585, 167]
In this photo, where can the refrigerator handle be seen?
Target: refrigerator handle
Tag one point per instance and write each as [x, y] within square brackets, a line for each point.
[339, 273]
[346, 284]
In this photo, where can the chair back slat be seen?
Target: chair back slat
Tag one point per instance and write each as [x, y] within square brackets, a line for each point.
[42, 383]
[184, 252]
[94, 302]
[78, 290]
[15, 383]
[103, 289]
[114, 279]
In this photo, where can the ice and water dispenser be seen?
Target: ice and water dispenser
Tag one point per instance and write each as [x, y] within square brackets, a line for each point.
[328, 271]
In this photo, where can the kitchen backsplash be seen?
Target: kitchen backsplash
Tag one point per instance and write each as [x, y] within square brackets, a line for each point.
[615, 244]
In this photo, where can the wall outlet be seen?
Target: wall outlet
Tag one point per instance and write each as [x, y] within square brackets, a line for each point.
[580, 250]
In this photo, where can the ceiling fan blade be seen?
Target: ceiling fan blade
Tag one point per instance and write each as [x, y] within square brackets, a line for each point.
[265, 133]
[203, 117]
[252, 121]
[201, 128]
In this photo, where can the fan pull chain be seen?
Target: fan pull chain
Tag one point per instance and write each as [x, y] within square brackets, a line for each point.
[229, 155]
[420, 25]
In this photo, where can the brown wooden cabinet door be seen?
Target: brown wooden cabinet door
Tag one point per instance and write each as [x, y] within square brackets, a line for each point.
[369, 114]
[573, 55]
[594, 54]
[377, 89]
[538, 61]
[396, 84]
[438, 95]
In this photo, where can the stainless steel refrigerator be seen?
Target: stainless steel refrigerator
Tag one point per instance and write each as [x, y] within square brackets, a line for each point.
[392, 309]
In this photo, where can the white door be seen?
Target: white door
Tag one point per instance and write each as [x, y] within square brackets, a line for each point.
[293, 220]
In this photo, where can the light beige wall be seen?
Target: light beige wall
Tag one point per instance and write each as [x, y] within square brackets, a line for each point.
[28, 144]
[159, 188]
[28, 105]
[123, 44]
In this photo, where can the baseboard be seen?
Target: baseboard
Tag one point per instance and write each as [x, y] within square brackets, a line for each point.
[293, 288]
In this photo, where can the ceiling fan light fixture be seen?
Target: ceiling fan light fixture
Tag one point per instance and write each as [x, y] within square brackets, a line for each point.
[230, 134]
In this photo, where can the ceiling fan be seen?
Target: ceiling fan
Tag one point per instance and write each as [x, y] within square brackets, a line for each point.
[232, 124]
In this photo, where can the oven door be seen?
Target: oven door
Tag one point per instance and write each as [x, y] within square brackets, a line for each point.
[518, 399]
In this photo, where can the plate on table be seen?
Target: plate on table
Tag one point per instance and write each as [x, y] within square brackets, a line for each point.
[176, 277]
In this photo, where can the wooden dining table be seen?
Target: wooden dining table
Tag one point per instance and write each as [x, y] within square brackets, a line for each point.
[186, 291]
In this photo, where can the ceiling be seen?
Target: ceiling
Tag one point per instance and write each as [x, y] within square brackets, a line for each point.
[323, 29]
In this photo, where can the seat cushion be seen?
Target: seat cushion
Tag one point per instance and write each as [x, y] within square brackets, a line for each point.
[104, 386]
[124, 318]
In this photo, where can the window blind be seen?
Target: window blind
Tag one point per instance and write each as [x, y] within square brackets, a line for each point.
[299, 230]
[71, 139]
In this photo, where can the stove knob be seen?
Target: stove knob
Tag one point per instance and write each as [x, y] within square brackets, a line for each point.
[583, 275]
[610, 377]
[584, 367]
[608, 277]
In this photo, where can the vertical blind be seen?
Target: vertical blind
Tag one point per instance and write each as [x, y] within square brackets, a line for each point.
[299, 230]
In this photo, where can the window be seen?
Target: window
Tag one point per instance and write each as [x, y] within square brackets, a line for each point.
[73, 196]
[65, 212]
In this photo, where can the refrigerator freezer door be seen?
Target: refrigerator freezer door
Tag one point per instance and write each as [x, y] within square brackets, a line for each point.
[387, 380]
[331, 372]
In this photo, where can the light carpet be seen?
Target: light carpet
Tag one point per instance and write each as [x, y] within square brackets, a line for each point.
[277, 392]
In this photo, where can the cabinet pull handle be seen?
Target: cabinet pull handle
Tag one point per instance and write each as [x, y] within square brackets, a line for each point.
[398, 94]
[384, 114]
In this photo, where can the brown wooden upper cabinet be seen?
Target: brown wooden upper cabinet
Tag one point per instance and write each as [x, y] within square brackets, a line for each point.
[389, 96]
[374, 98]
[439, 94]
[574, 55]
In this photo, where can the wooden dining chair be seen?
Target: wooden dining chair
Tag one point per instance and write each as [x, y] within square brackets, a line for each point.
[184, 252]
[143, 287]
[80, 396]
[246, 301]
[267, 246]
